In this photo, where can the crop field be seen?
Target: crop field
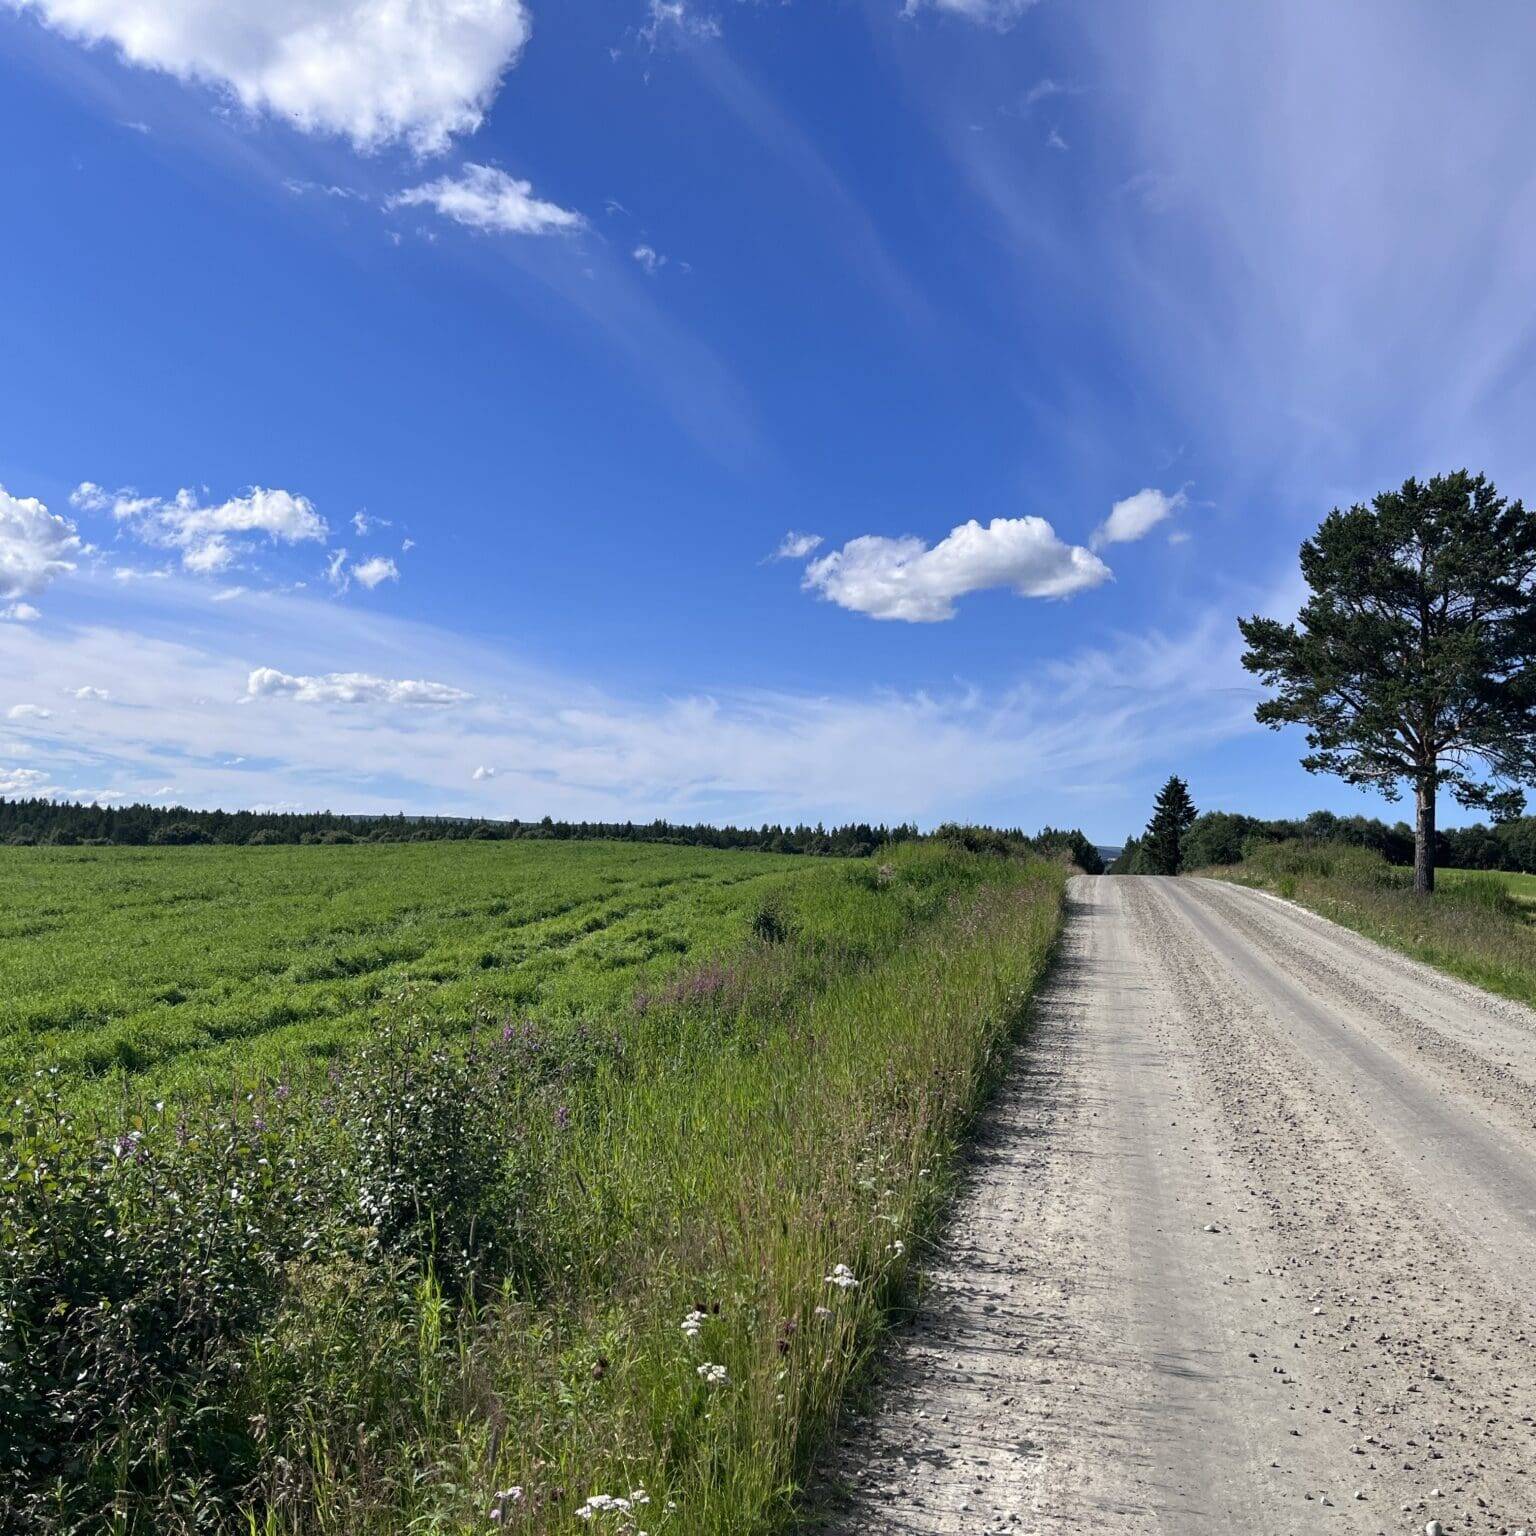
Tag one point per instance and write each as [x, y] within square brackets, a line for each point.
[172, 964]
[544, 1188]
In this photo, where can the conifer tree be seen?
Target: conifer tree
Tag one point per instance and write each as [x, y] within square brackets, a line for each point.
[1414, 660]
[1173, 813]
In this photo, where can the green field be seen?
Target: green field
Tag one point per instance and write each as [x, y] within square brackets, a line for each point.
[1479, 925]
[180, 962]
[1521, 888]
[607, 1172]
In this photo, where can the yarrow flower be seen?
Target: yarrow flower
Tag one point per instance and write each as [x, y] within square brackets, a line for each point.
[713, 1375]
[693, 1324]
[842, 1277]
[502, 1501]
[613, 1504]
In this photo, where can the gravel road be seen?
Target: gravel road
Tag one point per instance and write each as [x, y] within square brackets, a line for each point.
[1248, 1245]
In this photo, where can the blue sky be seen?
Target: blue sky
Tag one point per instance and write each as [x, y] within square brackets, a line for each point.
[409, 406]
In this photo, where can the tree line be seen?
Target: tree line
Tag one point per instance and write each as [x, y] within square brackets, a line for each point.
[66, 823]
[1223, 837]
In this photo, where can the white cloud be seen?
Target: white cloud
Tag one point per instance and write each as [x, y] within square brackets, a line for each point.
[22, 781]
[336, 568]
[36, 547]
[349, 688]
[482, 773]
[1054, 140]
[679, 18]
[1043, 90]
[649, 258]
[364, 524]
[207, 536]
[90, 694]
[1066, 740]
[379, 568]
[485, 198]
[796, 546]
[993, 13]
[905, 579]
[28, 712]
[371, 71]
[1136, 516]
[20, 613]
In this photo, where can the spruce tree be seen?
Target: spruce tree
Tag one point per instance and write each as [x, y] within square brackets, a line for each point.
[1173, 813]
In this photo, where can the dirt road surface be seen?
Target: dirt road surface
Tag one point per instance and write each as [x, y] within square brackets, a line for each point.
[1248, 1246]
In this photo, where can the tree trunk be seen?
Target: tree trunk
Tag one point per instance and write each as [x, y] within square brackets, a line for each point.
[1424, 841]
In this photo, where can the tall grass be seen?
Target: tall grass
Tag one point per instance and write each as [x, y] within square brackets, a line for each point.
[1476, 925]
[571, 1279]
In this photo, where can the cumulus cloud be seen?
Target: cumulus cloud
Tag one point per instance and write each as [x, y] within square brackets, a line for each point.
[905, 579]
[36, 547]
[1136, 516]
[649, 258]
[28, 712]
[796, 546]
[365, 524]
[349, 688]
[482, 773]
[485, 198]
[207, 537]
[372, 571]
[20, 613]
[372, 71]
[89, 694]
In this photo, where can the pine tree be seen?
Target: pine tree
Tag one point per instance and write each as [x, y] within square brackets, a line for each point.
[1173, 814]
[1413, 663]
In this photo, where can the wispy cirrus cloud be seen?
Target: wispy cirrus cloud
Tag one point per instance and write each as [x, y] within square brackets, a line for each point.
[325, 714]
[993, 13]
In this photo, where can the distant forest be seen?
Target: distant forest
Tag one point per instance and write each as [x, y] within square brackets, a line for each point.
[64, 823]
[1220, 837]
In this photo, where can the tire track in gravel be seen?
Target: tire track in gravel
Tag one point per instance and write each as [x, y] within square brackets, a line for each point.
[1196, 1283]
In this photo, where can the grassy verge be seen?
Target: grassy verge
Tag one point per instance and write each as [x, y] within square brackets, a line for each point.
[1477, 926]
[573, 1278]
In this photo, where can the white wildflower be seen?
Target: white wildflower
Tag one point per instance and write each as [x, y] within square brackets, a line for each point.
[712, 1375]
[603, 1504]
[842, 1277]
[693, 1324]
